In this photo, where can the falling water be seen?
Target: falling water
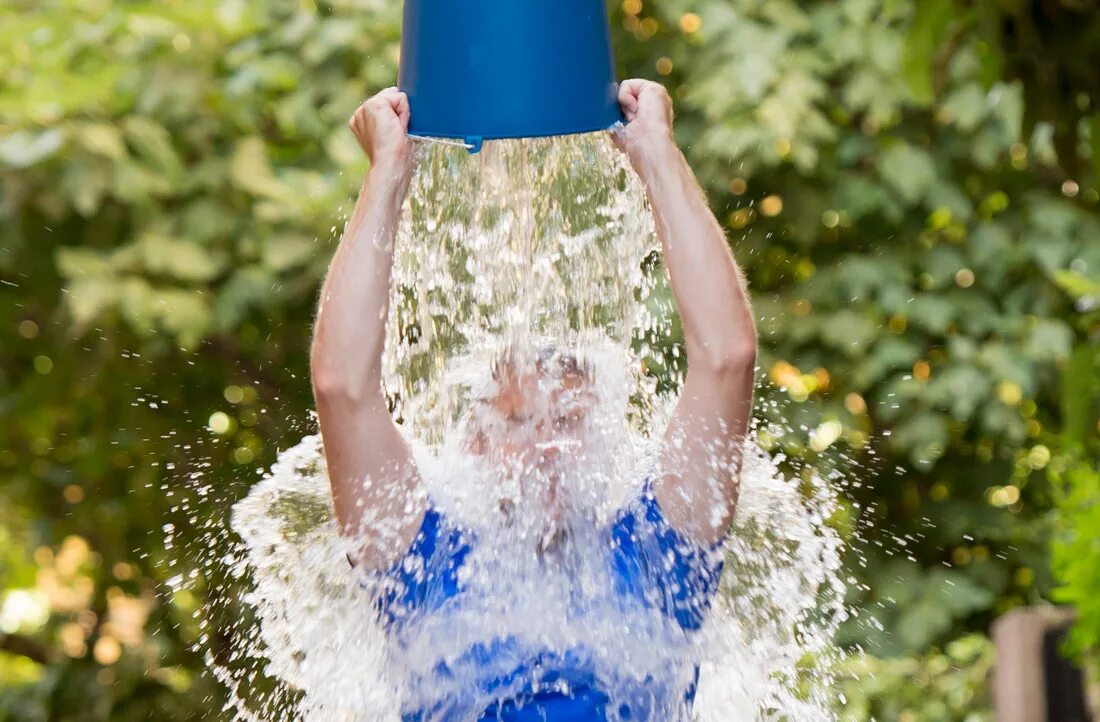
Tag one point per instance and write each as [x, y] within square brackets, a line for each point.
[528, 245]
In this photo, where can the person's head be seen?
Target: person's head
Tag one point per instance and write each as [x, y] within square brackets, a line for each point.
[531, 426]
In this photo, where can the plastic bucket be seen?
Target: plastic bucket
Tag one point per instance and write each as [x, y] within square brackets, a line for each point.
[483, 69]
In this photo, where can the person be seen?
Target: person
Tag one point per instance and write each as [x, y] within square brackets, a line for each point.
[661, 552]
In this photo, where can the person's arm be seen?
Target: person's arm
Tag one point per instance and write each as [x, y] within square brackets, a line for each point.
[374, 479]
[701, 450]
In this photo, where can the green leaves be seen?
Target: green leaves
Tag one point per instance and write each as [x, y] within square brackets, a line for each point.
[917, 606]
[251, 171]
[848, 332]
[101, 139]
[924, 435]
[153, 145]
[936, 686]
[179, 259]
[926, 33]
[925, 261]
[909, 170]
[960, 389]
[172, 175]
[23, 149]
[1078, 286]
[212, 154]
[1076, 548]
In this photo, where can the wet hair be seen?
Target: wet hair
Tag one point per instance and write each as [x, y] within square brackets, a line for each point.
[549, 359]
[555, 362]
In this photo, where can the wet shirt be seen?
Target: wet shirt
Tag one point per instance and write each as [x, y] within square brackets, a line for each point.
[654, 587]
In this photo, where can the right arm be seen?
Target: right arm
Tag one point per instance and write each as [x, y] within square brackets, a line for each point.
[374, 480]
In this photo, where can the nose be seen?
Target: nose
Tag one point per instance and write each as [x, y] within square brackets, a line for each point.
[550, 452]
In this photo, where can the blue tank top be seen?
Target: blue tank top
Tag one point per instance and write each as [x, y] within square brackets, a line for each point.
[649, 564]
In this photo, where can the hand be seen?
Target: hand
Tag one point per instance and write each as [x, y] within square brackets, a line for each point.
[381, 126]
[648, 110]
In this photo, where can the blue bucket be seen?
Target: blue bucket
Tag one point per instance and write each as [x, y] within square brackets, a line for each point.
[484, 69]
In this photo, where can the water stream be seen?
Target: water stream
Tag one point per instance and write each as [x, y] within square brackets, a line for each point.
[532, 253]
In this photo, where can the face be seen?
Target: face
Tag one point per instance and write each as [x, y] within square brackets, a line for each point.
[533, 428]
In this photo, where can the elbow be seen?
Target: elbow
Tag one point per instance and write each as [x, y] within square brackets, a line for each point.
[327, 382]
[328, 386]
[727, 357]
[333, 383]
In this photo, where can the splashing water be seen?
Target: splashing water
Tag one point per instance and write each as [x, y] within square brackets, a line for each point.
[536, 259]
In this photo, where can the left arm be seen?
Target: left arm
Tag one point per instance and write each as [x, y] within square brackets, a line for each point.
[701, 450]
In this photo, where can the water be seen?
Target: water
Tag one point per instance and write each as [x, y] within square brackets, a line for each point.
[543, 245]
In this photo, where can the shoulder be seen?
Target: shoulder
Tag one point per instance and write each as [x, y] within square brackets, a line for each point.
[657, 563]
[437, 535]
[427, 573]
[641, 528]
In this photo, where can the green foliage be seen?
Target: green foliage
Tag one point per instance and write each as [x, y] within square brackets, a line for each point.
[1075, 476]
[925, 274]
[938, 686]
[171, 177]
[1076, 549]
[909, 248]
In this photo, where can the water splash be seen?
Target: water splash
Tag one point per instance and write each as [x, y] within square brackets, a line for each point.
[544, 243]
[530, 240]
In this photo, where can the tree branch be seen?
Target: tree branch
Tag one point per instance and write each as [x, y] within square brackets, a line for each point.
[27, 647]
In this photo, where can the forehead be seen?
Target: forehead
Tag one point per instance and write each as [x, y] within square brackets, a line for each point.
[519, 388]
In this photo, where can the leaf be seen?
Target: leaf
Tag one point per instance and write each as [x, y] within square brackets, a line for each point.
[861, 196]
[1007, 364]
[249, 287]
[923, 435]
[89, 298]
[1080, 393]
[909, 170]
[946, 195]
[1053, 252]
[959, 389]
[81, 263]
[932, 312]
[976, 314]
[1050, 340]
[848, 331]
[922, 622]
[890, 354]
[183, 313]
[993, 252]
[153, 145]
[250, 170]
[23, 149]
[926, 32]
[1055, 218]
[180, 259]
[102, 139]
[137, 304]
[966, 106]
[1077, 285]
[942, 263]
[136, 183]
[961, 593]
[283, 252]
[86, 182]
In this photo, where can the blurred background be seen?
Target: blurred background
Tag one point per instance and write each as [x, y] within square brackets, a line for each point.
[913, 189]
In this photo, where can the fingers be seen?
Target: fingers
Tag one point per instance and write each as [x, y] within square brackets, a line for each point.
[629, 90]
[391, 99]
[403, 111]
[631, 93]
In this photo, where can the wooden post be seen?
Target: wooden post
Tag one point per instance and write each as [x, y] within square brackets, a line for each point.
[1032, 681]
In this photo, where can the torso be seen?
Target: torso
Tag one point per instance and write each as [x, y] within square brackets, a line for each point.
[600, 628]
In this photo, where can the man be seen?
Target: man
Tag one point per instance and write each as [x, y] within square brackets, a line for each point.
[656, 563]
